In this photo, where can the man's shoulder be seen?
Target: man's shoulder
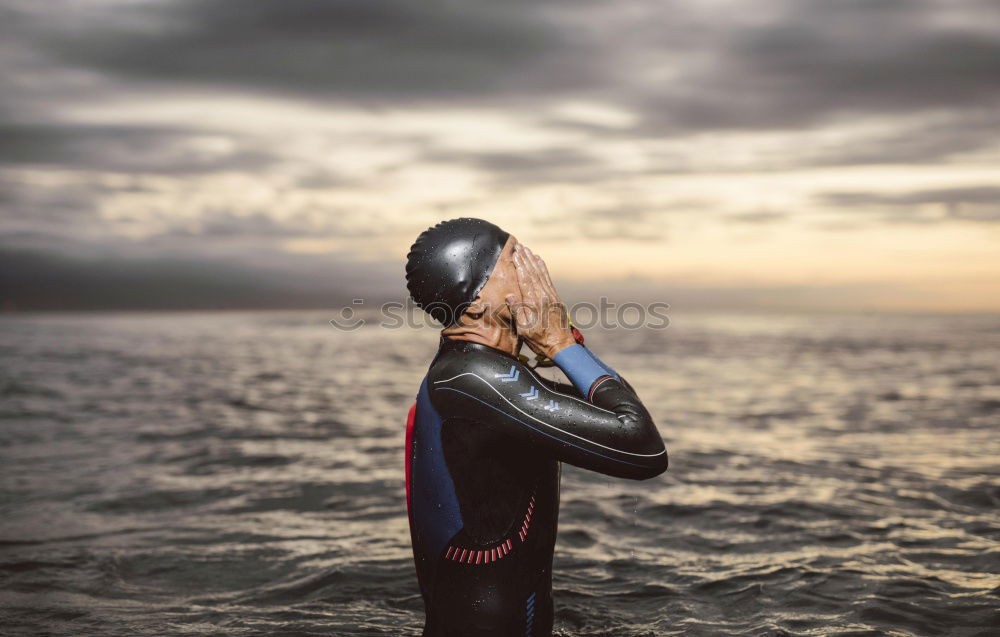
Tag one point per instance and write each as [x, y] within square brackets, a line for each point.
[471, 365]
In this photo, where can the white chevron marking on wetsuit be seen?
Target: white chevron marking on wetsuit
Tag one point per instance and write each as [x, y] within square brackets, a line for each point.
[510, 376]
[568, 433]
[531, 394]
[551, 391]
[552, 406]
[579, 400]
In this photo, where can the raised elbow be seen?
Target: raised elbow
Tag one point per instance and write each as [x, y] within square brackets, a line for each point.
[645, 446]
[654, 466]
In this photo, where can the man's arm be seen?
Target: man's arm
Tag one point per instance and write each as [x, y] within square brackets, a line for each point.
[610, 432]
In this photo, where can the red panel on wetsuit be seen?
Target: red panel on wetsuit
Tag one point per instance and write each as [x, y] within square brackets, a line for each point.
[407, 462]
[409, 456]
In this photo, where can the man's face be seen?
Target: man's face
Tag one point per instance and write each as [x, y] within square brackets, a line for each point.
[502, 281]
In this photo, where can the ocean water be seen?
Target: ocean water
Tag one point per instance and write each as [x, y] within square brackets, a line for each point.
[242, 474]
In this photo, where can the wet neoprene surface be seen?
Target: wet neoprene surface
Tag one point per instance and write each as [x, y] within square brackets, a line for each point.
[488, 436]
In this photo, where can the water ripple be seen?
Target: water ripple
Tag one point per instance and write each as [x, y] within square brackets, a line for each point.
[241, 474]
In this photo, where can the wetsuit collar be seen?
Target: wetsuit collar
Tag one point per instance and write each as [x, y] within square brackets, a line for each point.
[451, 344]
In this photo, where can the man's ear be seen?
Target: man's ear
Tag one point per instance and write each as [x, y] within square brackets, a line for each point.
[477, 307]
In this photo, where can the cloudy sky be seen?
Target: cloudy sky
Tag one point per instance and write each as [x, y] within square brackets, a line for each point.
[808, 154]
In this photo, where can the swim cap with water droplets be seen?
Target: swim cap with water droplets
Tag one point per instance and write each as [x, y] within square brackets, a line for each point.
[450, 263]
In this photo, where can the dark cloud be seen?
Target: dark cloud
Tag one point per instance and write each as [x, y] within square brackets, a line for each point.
[65, 213]
[128, 149]
[40, 281]
[929, 140]
[786, 64]
[980, 203]
[549, 165]
[342, 49]
[741, 296]
[814, 59]
[799, 62]
[89, 277]
[947, 196]
[30, 210]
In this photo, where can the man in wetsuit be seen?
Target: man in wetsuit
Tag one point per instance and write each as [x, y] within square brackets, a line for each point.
[486, 435]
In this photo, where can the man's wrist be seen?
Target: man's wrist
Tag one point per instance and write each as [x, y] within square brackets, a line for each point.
[551, 350]
[582, 370]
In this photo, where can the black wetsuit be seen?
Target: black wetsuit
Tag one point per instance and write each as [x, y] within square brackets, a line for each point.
[484, 443]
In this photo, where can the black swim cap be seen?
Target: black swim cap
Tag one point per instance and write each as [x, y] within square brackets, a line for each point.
[449, 264]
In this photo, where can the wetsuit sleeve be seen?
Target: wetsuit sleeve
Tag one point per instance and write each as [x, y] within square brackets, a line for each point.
[558, 387]
[610, 432]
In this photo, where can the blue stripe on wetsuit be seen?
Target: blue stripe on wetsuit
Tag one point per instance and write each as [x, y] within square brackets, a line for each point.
[582, 367]
[436, 514]
[610, 371]
[529, 620]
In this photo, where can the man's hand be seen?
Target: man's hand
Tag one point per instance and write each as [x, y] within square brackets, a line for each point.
[540, 315]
